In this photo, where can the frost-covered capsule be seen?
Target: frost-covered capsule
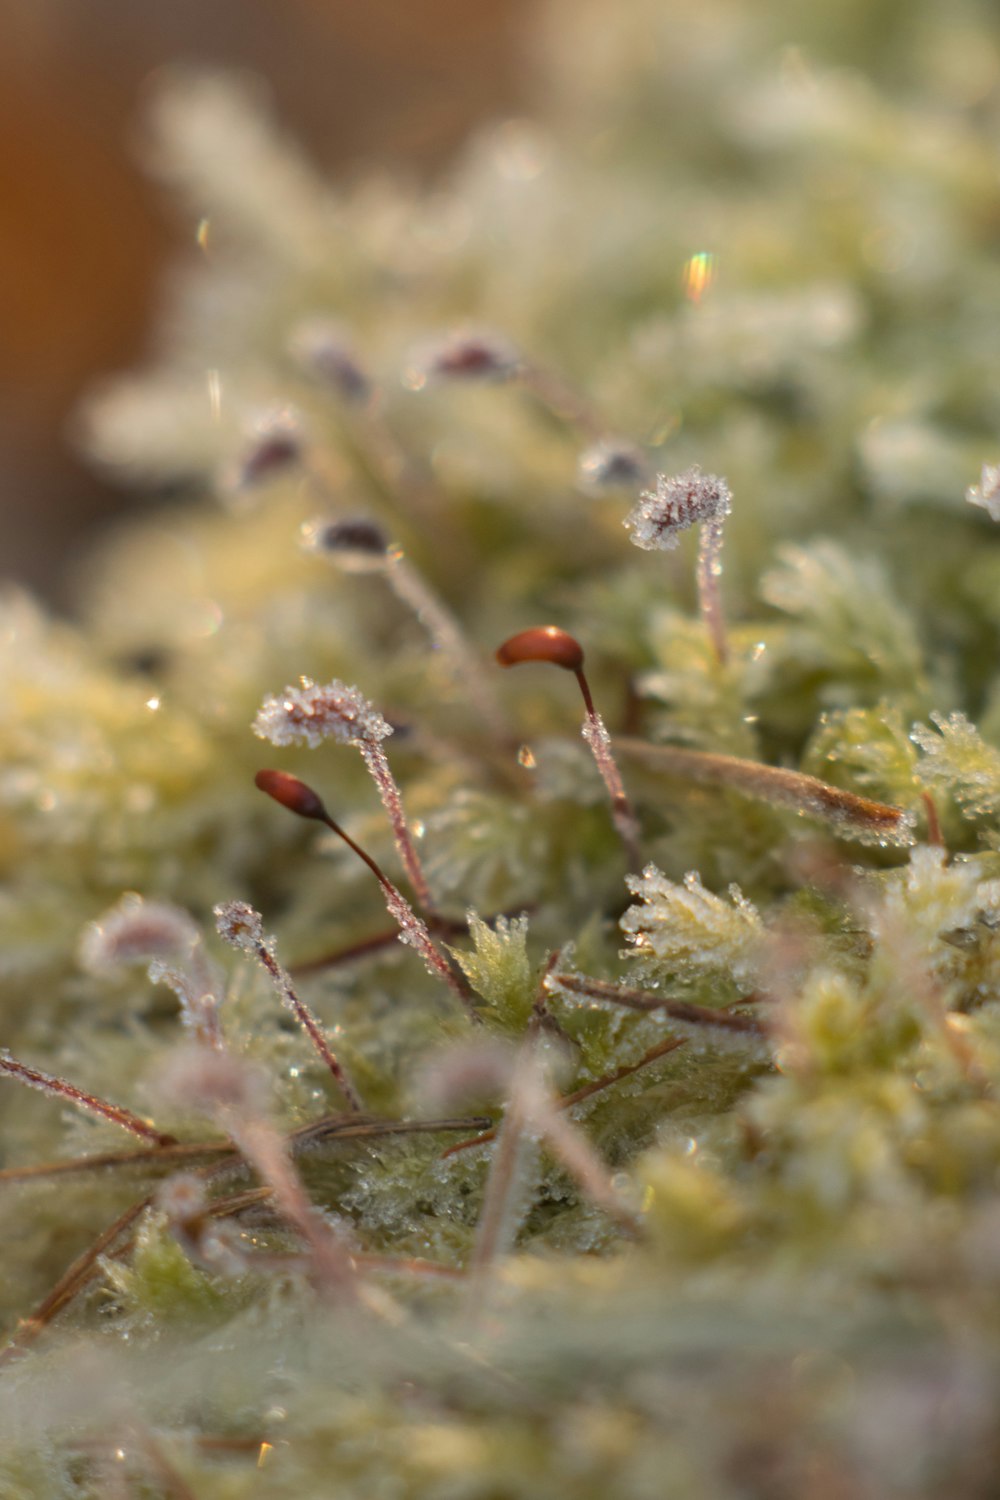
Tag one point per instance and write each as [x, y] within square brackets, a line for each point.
[356, 543]
[610, 464]
[136, 931]
[465, 354]
[239, 925]
[310, 714]
[323, 351]
[275, 442]
[678, 502]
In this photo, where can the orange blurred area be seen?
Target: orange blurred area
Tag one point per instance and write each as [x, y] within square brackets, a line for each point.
[83, 238]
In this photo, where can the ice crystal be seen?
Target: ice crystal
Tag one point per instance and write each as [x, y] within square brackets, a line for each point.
[310, 714]
[867, 748]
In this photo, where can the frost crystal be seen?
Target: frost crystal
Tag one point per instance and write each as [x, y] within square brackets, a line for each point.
[679, 501]
[986, 494]
[309, 715]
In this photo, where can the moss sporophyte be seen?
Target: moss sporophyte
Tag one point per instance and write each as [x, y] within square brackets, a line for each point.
[614, 1117]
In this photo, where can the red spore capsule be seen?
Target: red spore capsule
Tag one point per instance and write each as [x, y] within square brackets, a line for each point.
[291, 793]
[542, 643]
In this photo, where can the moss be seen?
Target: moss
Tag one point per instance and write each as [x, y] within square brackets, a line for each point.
[755, 1254]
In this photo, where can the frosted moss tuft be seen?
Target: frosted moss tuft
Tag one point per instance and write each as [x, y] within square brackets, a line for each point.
[685, 931]
[986, 494]
[498, 968]
[958, 762]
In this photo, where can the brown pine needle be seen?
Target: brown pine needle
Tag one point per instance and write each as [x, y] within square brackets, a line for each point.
[378, 941]
[566, 1101]
[72, 1281]
[306, 1136]
[442, 926]
[678, 1010]
[660, 1050]
[154, 1156]
[873, 821]
[82, 1099]
[409, 1265]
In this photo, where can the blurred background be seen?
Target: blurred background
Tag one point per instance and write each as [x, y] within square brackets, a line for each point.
[84, 238]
